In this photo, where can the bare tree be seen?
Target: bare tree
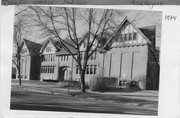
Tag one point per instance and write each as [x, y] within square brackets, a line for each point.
[20, 31]
[57, 22]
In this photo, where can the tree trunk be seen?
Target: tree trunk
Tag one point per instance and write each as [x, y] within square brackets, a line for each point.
[19, 71]
[19, 78]
[83, 87]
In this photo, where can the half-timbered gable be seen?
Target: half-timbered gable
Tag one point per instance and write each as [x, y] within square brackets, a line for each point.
[127, 34]
[48, 60]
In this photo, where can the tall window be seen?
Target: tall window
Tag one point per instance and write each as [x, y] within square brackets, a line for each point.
[50, 69]
[95, 68]
[53, 69]
[67, 58]
[48, 49]
[77, 69]
[134, 36]
[91, 69]
[53, 57]
[130, 36]
[121, 37]
[87, 69]
[47, 69]
[125, 37]
[84, 45]
[64, 58]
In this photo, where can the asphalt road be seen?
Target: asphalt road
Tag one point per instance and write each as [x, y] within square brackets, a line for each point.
[28, 100]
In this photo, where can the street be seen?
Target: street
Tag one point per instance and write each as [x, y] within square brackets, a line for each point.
[29, 100]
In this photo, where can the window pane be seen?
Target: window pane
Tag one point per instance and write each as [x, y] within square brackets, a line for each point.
[84, 44]
[91, 69]
[61, 58]
[51, 57]
[67, 58]
[53, 69]
[120, 37]
[130, 36]
[49, 69]
[77, 69]
[125, 37]
[95, 68]
[134, 36]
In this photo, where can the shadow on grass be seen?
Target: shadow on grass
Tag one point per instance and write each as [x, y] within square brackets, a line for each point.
[120, 90]
[118, 99]
[85, 109]
[49, 102]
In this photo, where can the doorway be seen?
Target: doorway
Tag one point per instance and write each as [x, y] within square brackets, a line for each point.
[64, 73]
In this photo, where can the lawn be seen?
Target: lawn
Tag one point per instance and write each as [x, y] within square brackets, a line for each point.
[146, 100]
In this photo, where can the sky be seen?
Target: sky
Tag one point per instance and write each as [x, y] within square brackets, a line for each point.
[140, 19]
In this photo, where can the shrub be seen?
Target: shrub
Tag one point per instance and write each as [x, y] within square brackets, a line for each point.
[99, 83]
[142, 83]
[70, 84]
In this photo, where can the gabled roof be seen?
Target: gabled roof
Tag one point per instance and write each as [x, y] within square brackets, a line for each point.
[115, 34]
[149, 32]
[102, 40]
[32, 47]
[64, 51]
[60, 50]
[56, 44]
[71, 47]
[84, 37]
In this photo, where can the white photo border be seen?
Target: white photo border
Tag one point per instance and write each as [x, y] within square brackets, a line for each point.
[169, 67]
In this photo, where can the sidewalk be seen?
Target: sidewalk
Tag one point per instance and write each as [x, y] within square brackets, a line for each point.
[138, 98]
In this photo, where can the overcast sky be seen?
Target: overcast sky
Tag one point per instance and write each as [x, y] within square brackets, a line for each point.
[142, 18]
